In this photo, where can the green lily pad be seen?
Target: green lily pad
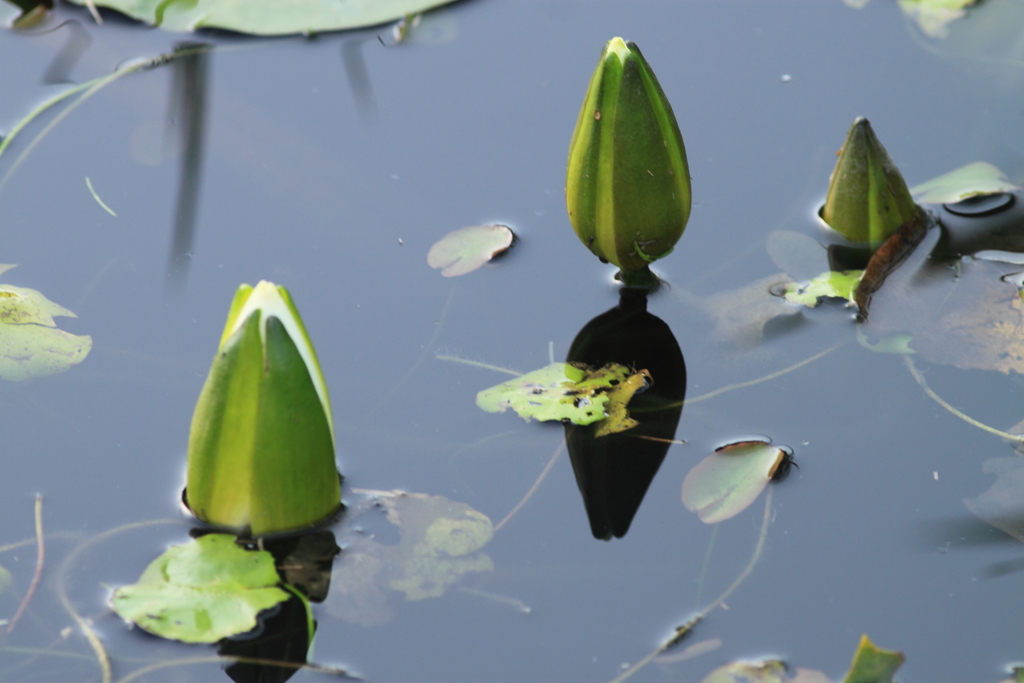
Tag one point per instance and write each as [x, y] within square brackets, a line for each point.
[440, 542]
[30, 343]
[567, 392]
[831, 285]
[979, 178]
[872, 664]
[463, 251]
[266, 17]
[934, 16]
[202, 591]
[725, 483]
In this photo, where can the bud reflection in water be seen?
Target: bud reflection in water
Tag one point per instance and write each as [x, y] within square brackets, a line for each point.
[614, 471]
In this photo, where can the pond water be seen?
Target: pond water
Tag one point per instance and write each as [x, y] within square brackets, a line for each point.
[331, 164]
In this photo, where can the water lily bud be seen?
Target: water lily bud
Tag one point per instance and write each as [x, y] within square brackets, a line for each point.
[261, 449]
[628, 184]
[868, 199]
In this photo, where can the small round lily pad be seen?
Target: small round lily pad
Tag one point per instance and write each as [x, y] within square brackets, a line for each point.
[463, 251]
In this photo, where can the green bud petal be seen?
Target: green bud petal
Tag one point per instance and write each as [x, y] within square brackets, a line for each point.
[628, 183]
[261, 448]
[868, 199]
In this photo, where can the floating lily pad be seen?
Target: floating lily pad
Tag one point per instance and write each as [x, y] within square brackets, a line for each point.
[30, 343]
[762, 671]
[567, 392]
[934, 16]
[872, 664]
[202, 591]
[979, 178]
[463, 251]
[440, 541]
[266, 17]
[725, 483]
[831, 285]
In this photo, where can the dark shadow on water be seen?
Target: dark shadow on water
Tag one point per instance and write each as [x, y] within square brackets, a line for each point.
[614, 471]
[187, 115]
[285, 632]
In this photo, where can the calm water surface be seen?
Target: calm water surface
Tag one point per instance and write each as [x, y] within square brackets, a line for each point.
[337, 187]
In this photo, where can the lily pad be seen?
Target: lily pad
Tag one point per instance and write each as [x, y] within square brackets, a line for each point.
[440, 541]
[934, 16]
[872, 664]
[202, 591]
[30, 343]
[831, 285]
[979, 178]
[762, 671]
[266, 17]
[567, 392]
[725, 483]
[463, 251]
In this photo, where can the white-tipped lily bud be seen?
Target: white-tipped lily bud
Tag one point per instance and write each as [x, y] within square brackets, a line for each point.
[261, 447]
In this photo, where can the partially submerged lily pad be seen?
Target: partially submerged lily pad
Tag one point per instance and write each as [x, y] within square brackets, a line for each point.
[202, 591]
[266, 17]
[871, 664]
[979, 178]
[463, 251]
[30, 343]
[725, 483]
[762, 671]
[566, 392]
[440, 542]
[831, 285]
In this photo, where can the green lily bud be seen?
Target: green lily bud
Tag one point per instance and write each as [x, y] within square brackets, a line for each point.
[261, 448]
[868, 199]
[628, 184]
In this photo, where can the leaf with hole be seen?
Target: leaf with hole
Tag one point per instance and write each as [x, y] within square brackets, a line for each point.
[568, 392]
[726, 482]
[463, 251]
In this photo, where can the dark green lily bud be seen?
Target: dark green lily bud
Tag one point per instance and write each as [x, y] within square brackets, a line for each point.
[261, 448]
[628, 184]
[868, 199]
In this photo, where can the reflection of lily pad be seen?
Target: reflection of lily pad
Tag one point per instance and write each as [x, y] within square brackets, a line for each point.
[202, 591]
[831, 285]
[975, 179]
[463, 251]
[266, 17]
[30, 343]
[725, 483]
[560, 391]
[872, 664]
[743, 315]
[1002, 505]
[440, 542]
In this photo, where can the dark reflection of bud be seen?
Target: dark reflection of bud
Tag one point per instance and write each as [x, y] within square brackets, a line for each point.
[995, 222]
[614, 471]
[285, 632]
[844, 257]
[187, 112]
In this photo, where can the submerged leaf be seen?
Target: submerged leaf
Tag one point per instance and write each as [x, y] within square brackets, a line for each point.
[742, 315]
[872, 664]
[440, 542]
[833, 285]
[567, 392]
[202, 591]
[463, 251]
[1002, 505]
[979, 178]
[266, 17]
[934, 16]
[729, 480]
